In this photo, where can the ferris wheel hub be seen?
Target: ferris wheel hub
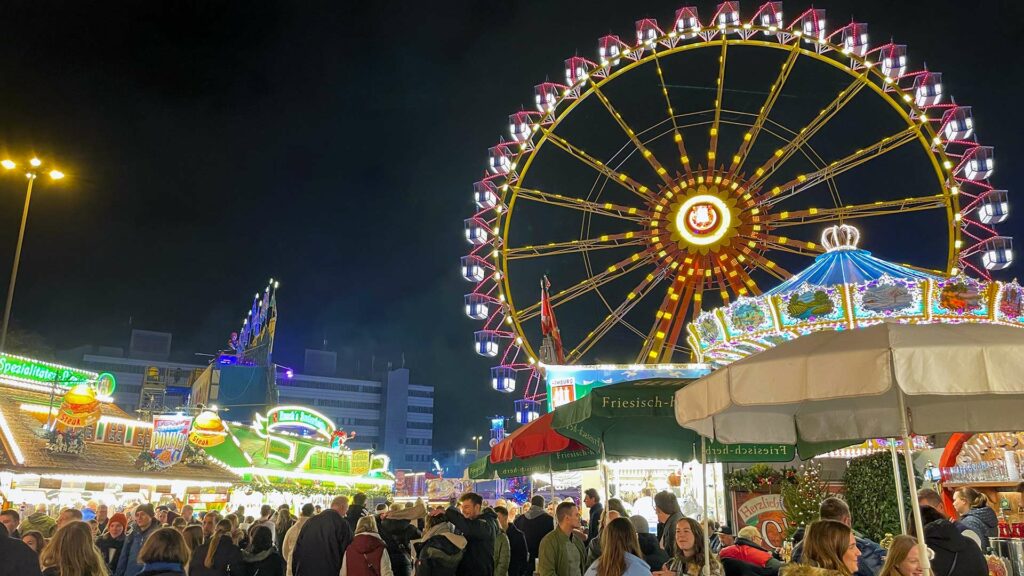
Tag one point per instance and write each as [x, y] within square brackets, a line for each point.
[704, 216]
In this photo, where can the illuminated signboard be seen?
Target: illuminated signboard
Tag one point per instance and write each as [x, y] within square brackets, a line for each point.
[299, 421]
[39, 372]
[568, 383]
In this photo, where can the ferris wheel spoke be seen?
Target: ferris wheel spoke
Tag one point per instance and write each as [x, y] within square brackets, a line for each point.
[644, 151]
[864, 155]
[645, 287]
[764, 264]
[788, 244]
[742, 281]
[622, 212]
[613, 272]
[713, 146]
[671, 315]
[619, 178]
[684, 158]
[807, 132]
[762, 115]
[602, 242]
[851, 211]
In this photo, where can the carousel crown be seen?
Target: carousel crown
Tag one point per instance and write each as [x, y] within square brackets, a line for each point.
[842, 237]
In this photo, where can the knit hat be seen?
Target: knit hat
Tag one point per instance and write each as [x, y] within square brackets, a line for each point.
[146, 509]
[119, 518]
[640, 523]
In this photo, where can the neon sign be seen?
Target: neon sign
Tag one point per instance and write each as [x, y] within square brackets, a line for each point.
[35, 371]
[299, 421]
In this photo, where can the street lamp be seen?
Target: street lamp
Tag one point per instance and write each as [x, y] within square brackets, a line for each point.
[477, 439]
[35, 168]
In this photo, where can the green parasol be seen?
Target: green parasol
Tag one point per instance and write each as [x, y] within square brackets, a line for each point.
[579, 459]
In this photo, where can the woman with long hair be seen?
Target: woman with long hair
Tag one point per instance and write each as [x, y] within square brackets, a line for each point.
[34, 539]
[71, 552]
[283, 523]
[830, 549]
[217, 557]
[262, 558]
[689, 556]
[620, 551]
[903, 558]
[165, 553]
[193, 535]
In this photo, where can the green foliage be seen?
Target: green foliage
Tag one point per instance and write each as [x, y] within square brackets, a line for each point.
[871, 494]
[801, 499]
[760, 478]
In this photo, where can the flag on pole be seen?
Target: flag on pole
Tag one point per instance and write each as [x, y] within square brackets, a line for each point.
[548, 324]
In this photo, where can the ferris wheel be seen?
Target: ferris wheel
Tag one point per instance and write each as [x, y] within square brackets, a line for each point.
[755, 134]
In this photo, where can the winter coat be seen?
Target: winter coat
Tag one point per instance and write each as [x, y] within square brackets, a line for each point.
[734, 567]
[127, 563]
[653, 554]
[280, 531]
[162, 569]
[501, 554]
[18, 558]
[39, 521]
[806, 570]
[594, 524]
[321, 545]
[535, 525]
[355, 512]
[746, 551]
[398, 536]
[869, 563]
[634, 567]
[288, 544]
[593, 551]
[682, 567]
[439, 552]
[552, 559]
[227, 559]
[110, 549]
[266, 563]
[366, 550]
[982, 520]
[668, 535]
[519, 556]
[480, 532]
[955, 554]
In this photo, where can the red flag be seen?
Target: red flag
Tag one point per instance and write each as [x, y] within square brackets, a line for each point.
[548, 324]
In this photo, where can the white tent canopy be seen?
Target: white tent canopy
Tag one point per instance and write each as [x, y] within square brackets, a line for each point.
[846, 385]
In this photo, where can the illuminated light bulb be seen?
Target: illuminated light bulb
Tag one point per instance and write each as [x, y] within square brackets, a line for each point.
[35, 162]
[8, 164]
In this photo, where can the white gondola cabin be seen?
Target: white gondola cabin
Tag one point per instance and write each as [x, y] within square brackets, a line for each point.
[647, 32]
[727, 16]
[928, 89]
[486, 343]
[478, 306]
[769, 15]
[499, 159]
[687, 21]
[546, 96]
[958, 123]
[997, 253]
[994, 207]
[477, 231]
[474, 268]
[485, 194]
[893, 58]
[855, 39]
[610, 50]
[811, 24]
[978, 163]
[503, 378]
[521, 126]
[577, 70]
[526, 410]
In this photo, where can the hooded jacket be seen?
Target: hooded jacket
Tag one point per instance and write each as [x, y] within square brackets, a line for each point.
[265, 563]
[39, 521]
[955, 554]
[655, 557]
[480, 532]
[982, 520]
[501, 554]
[439, 552]
[367, 549]
[398, 536]
[321, 545]
[535, 525]
[747, 551]
[288, 544]
[128, 564]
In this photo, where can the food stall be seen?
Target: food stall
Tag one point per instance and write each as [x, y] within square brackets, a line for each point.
[991, 463]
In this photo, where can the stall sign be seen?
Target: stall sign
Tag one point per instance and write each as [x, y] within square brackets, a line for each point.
[207, 498]
[287, 418]
[360, 462]
[170, 435]
[20, 368]
[444, 488]
[764, 512]
[567, 383]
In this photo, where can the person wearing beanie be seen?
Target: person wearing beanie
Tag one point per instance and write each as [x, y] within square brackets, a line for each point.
[112, 540]
[145, 524]
[653, 554]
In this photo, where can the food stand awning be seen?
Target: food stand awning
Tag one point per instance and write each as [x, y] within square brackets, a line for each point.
[532, 439]
[574, 458]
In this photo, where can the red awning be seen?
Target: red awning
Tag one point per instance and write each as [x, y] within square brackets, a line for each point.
[531, 439]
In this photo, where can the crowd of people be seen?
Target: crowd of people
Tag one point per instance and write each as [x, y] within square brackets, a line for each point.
[467, 538]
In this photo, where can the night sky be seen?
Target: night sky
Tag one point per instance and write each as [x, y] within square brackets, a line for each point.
[210, 146]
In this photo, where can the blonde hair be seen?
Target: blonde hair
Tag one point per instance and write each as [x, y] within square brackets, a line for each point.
[974, 498]
[223, 529]
[165, 545]
[193, 535]
[73, 551]
[366, 524]
[825, 545]
[617, 538]
[749, 533]
[898, 552]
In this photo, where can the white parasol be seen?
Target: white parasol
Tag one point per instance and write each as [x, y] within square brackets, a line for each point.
[887, 380]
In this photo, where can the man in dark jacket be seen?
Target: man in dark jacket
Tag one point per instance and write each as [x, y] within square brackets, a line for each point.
[10, 519]
[357, 510]
[535, 524]
[592, 500]
[872, 556]
[955, 554]
[18, 558]
[145, 524]
[322, 542]
[480, 530]
[519, 556]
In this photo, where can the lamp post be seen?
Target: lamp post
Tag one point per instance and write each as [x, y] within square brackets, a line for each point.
[477, 439]
[34, 169]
